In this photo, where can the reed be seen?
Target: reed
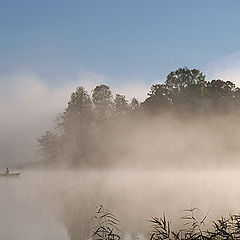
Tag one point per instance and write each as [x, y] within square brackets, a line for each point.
[192, 228]
[105, 225]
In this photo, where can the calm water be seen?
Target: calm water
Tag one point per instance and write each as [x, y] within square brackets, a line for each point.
[59, 205]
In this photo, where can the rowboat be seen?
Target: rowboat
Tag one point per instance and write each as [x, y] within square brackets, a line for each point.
[10, 174]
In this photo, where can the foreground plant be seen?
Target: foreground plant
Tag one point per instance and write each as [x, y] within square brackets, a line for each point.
[192, 228]
[105, 225]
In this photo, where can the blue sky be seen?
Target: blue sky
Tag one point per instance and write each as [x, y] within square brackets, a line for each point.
[122, 39]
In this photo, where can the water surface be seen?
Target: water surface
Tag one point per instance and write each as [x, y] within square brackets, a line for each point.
[59, 204]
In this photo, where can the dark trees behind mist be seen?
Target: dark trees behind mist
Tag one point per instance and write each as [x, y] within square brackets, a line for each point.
[87, 132]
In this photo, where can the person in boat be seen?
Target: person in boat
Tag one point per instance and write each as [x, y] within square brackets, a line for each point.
[5, 172]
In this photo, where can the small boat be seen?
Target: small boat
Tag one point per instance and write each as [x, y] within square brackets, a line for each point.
[10, 174]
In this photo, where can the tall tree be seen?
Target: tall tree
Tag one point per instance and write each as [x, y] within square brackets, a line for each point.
[222, 94]
[102, 100]
[48, 144]
[77, 120]
[79, 111]
[182, 78]
[88, 124]
[186, 87]
[134, 105]
[159, 98]
[120, 104]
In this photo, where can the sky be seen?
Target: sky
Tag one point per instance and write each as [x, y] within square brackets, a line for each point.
[49, 47]
[124, 40]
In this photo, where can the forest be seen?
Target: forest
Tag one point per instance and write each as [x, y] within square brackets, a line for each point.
[94, 128]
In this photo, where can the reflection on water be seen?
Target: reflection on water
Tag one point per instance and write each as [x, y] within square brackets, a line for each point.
[59, 205]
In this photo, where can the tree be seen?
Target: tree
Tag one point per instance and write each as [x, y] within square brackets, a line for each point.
[187, 88]
[182, 78]
[158, 98]
[183, 88]
[134, 105]
[221, 92]
[48, 144]
[237, 97]
[78, 114]
[77, 121]
[120, 104]
[89, 125]
[102, 100]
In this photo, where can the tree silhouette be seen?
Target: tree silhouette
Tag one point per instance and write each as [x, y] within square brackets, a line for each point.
[102, 100]
[88, 123]
[120, 104]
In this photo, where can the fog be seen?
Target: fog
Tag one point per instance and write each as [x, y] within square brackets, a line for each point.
[59, 204]
[25, 213]
[29, 107]
[145, 166]
[169, 141]
[153, 166]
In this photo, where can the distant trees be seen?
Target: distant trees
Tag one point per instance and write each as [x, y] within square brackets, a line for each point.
[79, 111]
[121, 104]
[89, 120]
[183, 88]
[223, 94]
[186, 89]
[48, 144]
[82, 129]
[135, 105]
[102, 101]
[183, 78]
[159, 98]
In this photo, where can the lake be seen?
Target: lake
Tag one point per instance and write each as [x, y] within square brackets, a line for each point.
[59, 204]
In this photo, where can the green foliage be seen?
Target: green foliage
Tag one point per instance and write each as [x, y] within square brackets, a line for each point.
[222, 94]
[183, 78]
[159, 98]
[183, 88]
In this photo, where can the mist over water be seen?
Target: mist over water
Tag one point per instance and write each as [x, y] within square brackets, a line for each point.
[136, 196]
[59, 205]
[167, 165]
[135, 162]
[25, 213]
[152, 166]
[95, 119]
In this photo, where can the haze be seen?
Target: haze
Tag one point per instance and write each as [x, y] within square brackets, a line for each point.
[130, 106]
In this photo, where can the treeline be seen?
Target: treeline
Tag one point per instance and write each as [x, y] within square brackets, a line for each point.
[85, 131]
